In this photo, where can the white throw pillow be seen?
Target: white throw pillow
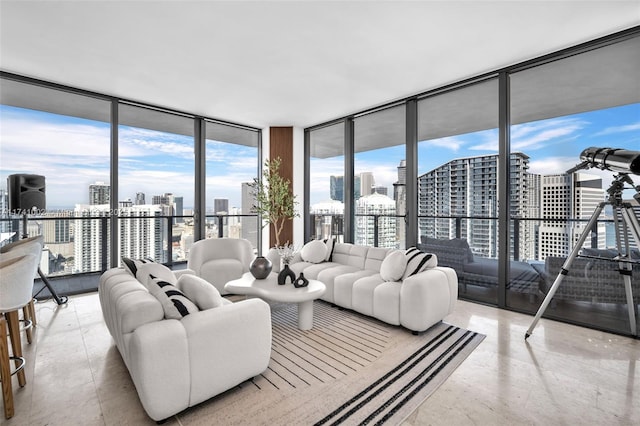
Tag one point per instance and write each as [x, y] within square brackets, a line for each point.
[418, 261]
[393, 266]
[200, 292]
[314, 251]
[146, 270]
[175, 304]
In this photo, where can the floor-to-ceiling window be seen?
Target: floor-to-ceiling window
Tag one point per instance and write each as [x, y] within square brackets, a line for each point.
[64, 137]
[379, 178]
[231, 167]
[155, 184]
[495, 200]
[326, 182]
[458, 184]
[559, 109]
[68, 136]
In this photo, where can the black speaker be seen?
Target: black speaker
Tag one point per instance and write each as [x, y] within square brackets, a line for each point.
[25, 193]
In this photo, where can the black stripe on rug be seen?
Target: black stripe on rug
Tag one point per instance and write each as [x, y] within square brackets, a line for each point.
[412, 371]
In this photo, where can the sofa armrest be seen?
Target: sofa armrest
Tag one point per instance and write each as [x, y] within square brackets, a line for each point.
[227, 345]
[177, 364]
[427, 297]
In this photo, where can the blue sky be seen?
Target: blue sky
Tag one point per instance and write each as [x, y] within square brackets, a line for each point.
[72, 153]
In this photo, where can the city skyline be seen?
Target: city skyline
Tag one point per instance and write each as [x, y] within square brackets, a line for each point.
[73, 153]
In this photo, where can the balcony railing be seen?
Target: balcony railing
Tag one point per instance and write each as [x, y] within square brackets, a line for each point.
[80, 244]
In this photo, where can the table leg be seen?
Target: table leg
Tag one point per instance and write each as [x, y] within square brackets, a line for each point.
[305, 315]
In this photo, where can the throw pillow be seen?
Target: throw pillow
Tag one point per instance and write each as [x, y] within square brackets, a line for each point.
[146, 270]
[393, 266]
[132, 265]
[330, 243]
[200, 292]
[418, 261]
[314, 251]
[175, 304]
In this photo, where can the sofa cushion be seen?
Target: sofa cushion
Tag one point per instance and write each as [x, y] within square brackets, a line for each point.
[175, 304]
[200, 292]
[418, 261]
[393, 266]
[132, 265]
[314, 251]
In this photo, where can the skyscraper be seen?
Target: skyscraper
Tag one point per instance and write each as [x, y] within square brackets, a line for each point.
[375, 220]
[99, 193]
[248, 225]
[220, 205]
[467, 187]
[140, 199]
[568, 196]
[400, 197]
[336, 188]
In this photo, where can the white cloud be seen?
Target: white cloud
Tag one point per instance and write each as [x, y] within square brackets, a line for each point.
[619, 129]
[453, 143]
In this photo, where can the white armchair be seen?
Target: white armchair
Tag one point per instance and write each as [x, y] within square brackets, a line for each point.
[220, 260]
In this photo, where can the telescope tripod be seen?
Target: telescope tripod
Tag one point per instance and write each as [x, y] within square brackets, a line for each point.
[629, 225]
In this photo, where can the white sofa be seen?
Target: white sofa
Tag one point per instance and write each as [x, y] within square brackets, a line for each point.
[176, 364]
[353, 281]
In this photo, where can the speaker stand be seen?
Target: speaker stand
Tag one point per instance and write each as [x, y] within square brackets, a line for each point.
[60, 300]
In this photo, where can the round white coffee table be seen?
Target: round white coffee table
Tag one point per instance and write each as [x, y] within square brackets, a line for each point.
[269, 289]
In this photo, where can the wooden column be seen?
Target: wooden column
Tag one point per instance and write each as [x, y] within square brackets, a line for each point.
[281, 145]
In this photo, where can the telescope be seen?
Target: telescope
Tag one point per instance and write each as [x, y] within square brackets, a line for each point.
[612, 159]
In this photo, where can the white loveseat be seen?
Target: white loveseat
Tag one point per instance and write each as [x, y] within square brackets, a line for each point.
[176, 364]
[353, 281]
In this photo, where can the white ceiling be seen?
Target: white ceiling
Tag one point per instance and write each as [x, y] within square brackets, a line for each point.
[289, 63]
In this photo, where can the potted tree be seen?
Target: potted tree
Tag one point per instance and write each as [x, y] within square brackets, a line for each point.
[276, 204]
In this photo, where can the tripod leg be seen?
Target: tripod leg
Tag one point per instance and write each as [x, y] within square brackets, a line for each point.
[565, 268]
[634, 228]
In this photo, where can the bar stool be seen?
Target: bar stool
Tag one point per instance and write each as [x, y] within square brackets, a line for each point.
[16, 289]
[31, 245]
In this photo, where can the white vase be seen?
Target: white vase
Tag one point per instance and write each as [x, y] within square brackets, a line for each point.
[275, 259]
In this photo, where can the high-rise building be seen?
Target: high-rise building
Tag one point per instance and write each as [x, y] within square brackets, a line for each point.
[248, 225]
[400, 197]
[140, 199]
[220, 205]
[375, 219]
[467, 187]
[178, 209]
[99, 193]
[568, 196]
[89, 235]
[141, 235]
[367, 183]
[336, 188]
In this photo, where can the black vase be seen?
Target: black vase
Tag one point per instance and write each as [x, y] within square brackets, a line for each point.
[286, 273]
[260, 267]
[301, 281]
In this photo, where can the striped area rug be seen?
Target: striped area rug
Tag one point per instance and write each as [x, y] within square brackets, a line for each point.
[348, 369]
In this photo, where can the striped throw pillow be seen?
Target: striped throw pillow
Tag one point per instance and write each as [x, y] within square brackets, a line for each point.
[132, 265]
[418, 261]
[175, 304]
[331, 243]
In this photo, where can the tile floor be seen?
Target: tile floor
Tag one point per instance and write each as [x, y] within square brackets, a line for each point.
[562, 375]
